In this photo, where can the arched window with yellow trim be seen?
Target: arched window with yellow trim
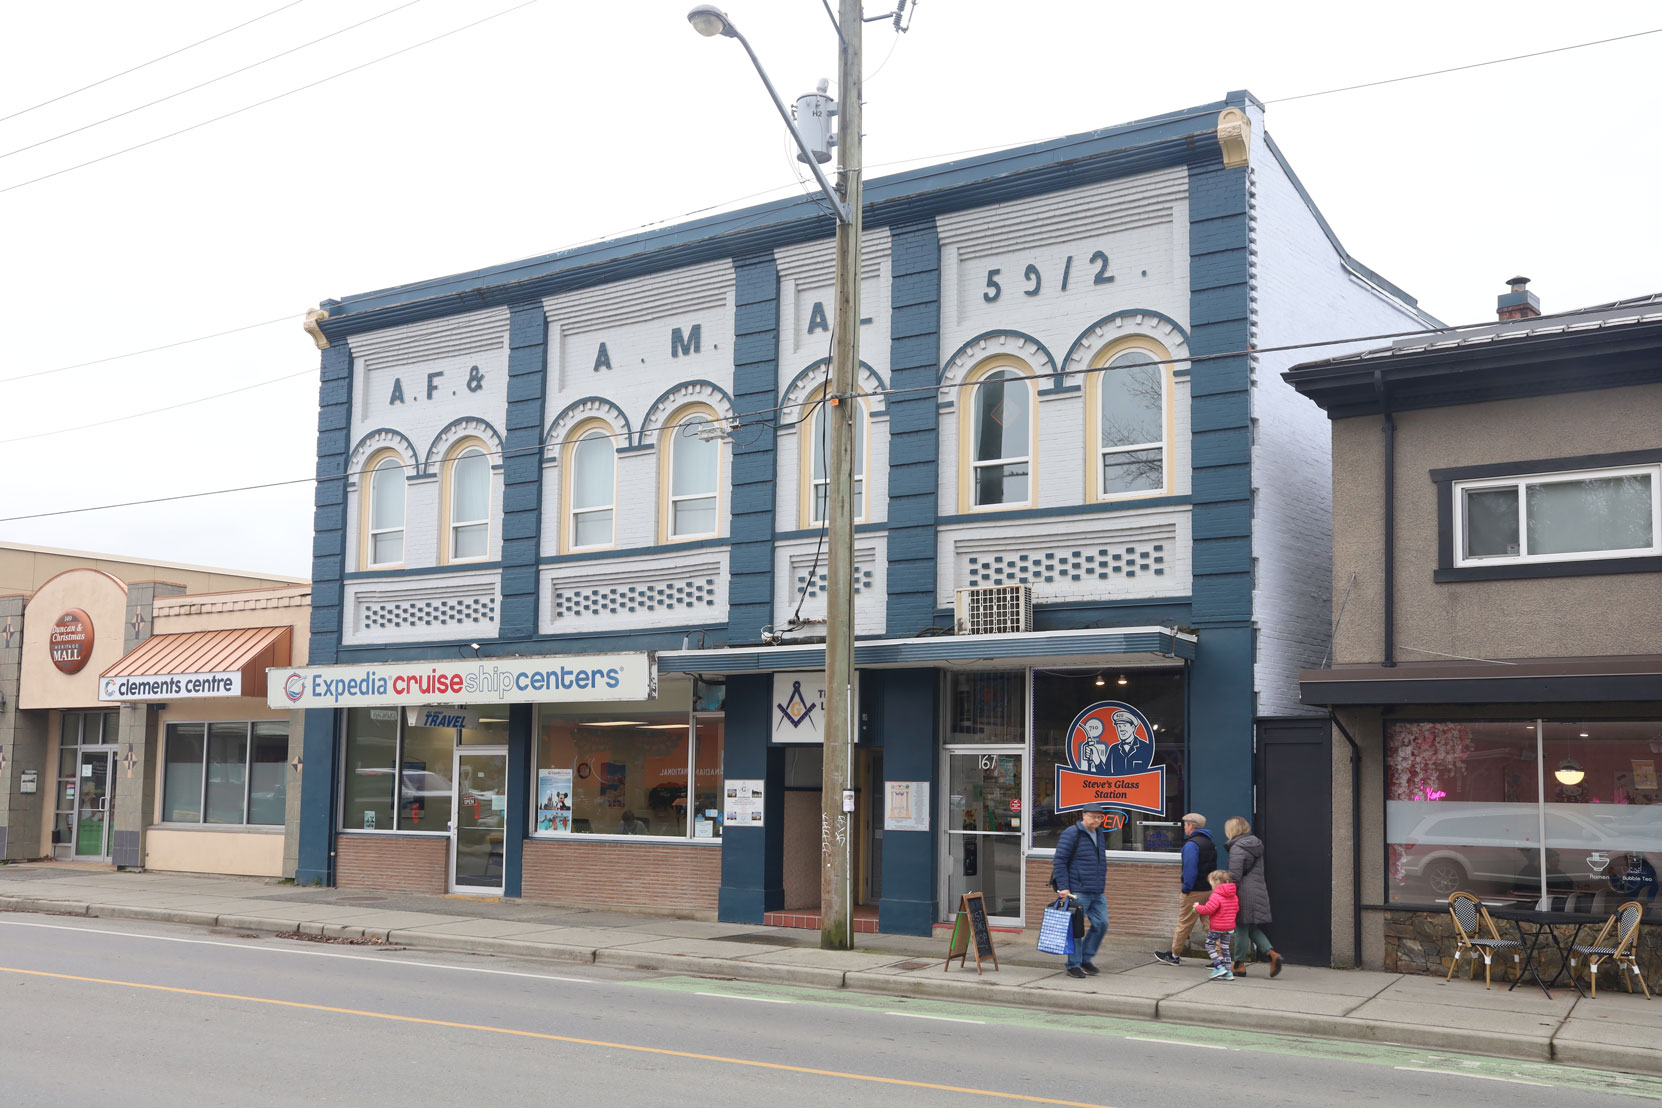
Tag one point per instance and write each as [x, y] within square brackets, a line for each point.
[1129, 398]
[591, 488]
[692, 508]
[467, 503]
[383, 494]
[999, 433]
[816, 452]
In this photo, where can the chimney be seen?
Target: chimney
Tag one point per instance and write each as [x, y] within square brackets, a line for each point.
[1520, 303]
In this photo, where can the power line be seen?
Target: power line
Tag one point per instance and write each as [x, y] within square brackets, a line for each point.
[1462, 68]
[156, 411]
[152, 61]
[148, 350]
[269, 99]
[211, 80]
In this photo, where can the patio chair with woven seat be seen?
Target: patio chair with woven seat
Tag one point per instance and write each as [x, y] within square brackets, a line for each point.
[1477, 935]
[1617, 942]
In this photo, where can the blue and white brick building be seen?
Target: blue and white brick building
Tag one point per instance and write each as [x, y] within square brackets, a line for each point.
[613, 451]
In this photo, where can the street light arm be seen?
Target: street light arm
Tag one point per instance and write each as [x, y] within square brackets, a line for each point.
[784, 113]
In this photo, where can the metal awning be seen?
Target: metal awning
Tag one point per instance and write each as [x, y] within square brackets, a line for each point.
[1097, 646]
[195, 664]
[1512, 681]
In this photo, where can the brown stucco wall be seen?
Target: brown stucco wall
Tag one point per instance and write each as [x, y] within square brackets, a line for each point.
[1537, 617]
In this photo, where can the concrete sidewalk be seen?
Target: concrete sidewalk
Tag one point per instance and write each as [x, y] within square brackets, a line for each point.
[1617, 1031]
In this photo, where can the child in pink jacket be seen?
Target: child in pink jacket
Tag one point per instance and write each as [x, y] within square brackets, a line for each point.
[1220, 911]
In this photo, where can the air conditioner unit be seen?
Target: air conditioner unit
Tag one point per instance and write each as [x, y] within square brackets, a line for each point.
[999, 610]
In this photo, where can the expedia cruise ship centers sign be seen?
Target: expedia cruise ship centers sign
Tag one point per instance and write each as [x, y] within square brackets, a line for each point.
[566, 679]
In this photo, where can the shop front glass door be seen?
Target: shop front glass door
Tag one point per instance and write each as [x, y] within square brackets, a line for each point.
[983, 830]
[480, 819]
[92, 806]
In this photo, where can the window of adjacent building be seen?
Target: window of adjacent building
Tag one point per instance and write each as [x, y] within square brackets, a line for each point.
[1523, 810]
[1130, 406]
[386, 513]
[817, 448]
[225, 773]
[1558, 517]
[1001, 439]
[629, 769]
[398, 777]
[694, 477]
[593, 490]
[469, 497]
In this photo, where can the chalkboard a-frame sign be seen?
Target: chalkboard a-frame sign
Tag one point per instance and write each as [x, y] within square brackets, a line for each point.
[969, 928]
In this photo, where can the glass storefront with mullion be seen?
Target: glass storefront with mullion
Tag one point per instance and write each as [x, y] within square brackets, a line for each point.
[225, 773]
[396, 776]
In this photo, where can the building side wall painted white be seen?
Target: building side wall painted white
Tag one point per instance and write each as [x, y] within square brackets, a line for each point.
[1305, 292]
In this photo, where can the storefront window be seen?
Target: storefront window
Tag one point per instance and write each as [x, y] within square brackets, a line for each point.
[1520, 811]
[987, 709]
[1059, 697]
[371, 761]
[424, 786]
[225, 773]
[624, 769]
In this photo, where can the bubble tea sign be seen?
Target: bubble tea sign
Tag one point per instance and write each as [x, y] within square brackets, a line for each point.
[1110, 755]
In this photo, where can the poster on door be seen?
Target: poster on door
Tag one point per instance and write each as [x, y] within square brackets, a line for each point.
[554, 800]
[1111, 754]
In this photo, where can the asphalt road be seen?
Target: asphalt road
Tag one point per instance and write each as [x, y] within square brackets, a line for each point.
[134, 1014]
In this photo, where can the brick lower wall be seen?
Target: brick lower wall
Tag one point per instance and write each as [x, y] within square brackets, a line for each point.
[1142, 896]
[405, 864]
[668, 877]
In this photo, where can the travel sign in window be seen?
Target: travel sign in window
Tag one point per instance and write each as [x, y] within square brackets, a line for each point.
[570, 678]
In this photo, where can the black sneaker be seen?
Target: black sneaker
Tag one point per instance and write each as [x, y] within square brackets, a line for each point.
[1090, 968]
[1168, 957]
[1075, 971]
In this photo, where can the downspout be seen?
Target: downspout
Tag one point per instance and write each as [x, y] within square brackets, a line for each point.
[1355, 837]
[1389, 658]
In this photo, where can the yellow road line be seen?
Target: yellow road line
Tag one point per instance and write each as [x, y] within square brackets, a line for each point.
[557, 1038]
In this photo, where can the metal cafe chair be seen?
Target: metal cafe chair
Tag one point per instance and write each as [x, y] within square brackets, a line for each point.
[1620, 949]
[1471, 921]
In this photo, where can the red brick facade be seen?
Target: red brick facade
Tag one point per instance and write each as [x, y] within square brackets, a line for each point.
[408, 864]
[675, 877]
[1142, 896]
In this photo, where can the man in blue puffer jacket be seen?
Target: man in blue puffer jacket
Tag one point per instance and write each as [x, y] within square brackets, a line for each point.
[1080, 868]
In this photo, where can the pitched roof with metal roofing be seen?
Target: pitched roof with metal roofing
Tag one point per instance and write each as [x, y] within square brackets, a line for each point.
[248, 649]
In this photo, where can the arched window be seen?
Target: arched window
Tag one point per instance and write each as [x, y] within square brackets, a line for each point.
[591, 490]
[1130, 411]
[694, 477]
[816, 451]
[468, 495]
[384, 544]
[1001, 439]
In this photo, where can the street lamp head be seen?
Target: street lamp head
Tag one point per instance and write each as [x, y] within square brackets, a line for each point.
[710, 21]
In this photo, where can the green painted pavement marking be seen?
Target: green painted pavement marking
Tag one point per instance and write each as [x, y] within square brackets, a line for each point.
[1555, 1074]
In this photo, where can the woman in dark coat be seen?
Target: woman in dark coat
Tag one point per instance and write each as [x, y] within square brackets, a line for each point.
[1246, 866]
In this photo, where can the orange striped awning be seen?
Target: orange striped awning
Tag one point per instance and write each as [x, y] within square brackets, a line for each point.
[194, 664]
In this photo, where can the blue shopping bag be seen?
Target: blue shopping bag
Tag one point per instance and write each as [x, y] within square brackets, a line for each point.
[1056, 929]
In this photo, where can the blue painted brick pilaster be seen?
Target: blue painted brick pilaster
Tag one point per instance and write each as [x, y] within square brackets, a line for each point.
[914, 364]
[1220, 413]
[755, 389]
[522, 469]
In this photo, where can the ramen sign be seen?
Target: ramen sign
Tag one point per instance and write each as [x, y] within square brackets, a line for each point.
[71, 641]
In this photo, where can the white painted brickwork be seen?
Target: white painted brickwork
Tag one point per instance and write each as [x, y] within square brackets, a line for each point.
[1118, 556]
[423, 609]
[673, 589]
[1304, 292]
[797, 573]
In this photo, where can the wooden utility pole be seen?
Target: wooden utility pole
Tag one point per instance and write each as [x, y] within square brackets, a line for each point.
[836, 898]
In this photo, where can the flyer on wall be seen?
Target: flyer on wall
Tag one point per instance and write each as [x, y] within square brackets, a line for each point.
[554, 800]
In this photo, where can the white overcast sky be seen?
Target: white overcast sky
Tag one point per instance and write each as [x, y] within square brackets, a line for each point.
[563, 122]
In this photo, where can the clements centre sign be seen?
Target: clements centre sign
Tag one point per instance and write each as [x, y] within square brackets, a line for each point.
[571, 678]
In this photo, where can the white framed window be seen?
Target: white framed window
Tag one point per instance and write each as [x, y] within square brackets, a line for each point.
[226, 773]
[469, 498]
[386, 514]
[1558, 517]
[1131, 426]
[1001, 440]
[816, 448]
[592, 486]
[694, 507]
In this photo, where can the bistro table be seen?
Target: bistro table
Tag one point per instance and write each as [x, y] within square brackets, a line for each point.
[1533, 925]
